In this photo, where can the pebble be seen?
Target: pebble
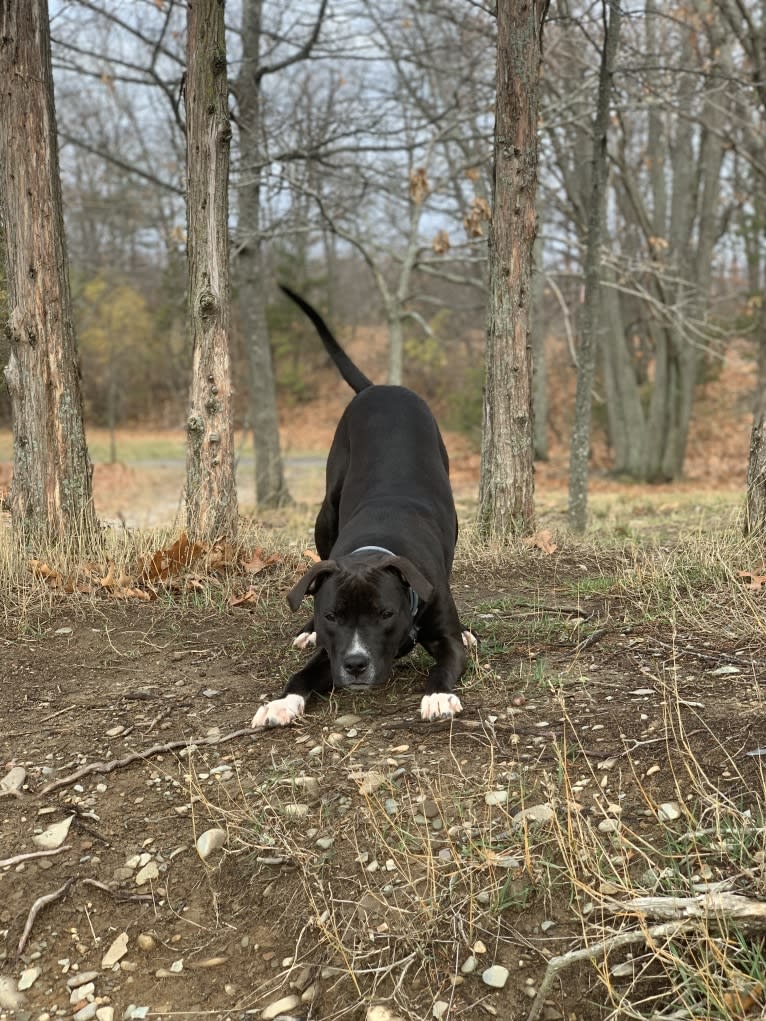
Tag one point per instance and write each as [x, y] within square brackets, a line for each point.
[534, 814]
[296, 811]
[380, 1013]
[86, 1013]
[547, 925]
[325, 843]
[10, 998]
[349, 720]
[28, 977]
[669, 811]
[13, 780]
[431, 811]
[479, 947]
[145, 942]
[80, 978]
[496, 797]
[82, 992]
[391, 806]
[210, 841]
[117, 950]
[609, 826]
[105, 1014]
[148, 872]
[469, 965]
[439, 1009]
[372, 782]
[496, 976]
[54, 836]
[280, 1007]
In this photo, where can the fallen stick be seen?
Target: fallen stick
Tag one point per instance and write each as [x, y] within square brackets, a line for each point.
[713, 906]
[157, 749]
[35, 910]
[604, 947]
[17, 859]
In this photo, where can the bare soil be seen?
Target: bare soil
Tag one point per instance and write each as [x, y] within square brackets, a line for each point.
[272, 913]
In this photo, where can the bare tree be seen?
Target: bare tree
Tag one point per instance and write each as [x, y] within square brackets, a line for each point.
[586, 361]
[211, 494]
[51, 496]
[506, 485]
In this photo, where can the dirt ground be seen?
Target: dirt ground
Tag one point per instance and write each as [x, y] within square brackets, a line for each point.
[351, 871]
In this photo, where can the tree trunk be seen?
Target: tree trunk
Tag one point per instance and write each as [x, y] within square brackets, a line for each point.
[539, 364]
[211, 493]
[270, 486]
[51, 495]
[506, 486]
[586, 359]
[755, 507]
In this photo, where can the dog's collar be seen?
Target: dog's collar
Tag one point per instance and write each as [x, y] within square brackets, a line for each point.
[414, 598]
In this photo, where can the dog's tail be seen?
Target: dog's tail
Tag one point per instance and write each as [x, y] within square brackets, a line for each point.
[355, 378]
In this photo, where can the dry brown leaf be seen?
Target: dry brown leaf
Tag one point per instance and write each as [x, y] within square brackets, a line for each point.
[164, 563]
[313, 557]
[258, 563]
[133, 593]
[40, 569]
[222, 557]
[249, 598]
[542, 540]
[757, 581]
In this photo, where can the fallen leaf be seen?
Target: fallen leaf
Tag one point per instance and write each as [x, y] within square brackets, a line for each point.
[757, 581]
[542, 540]
[313, 557]
[258, 563]
[250, 598]
[41, 569]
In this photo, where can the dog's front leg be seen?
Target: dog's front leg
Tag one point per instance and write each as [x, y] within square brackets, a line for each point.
[306, 637]
[315, 677]
[439, 701]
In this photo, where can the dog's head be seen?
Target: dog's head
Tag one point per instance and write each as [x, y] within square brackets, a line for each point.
[362, 613]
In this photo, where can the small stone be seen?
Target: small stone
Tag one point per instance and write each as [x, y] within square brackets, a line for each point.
[439, 1009]
[63, 631]
[81, 978]
[296, 811]
[391, 806]
[121, 873]
[145, 942]
[479, 947]
[54, 836]
[10, 997]
[115, 731]
[13, 780]
[669, 811]
[431, 811]
[280, 1007]
[308, 994]
[105, 1014]
[349, 720]
[469, 965]
[116, 951]
[325, 843]
[148, 872]
[210, 841]
[86, 1013]
[547, 925]
[28, 978]
[496, 797]
[380, 1013]
[536, 814]
[496, 976]
[609, 826]
[372, 782]
[82, 993]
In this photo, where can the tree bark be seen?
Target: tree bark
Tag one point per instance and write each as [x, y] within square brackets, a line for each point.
[270, 486]
[506, 485]
[586, 359]
[211, 493]
[539, 364]
[51, 496]
[755, 507]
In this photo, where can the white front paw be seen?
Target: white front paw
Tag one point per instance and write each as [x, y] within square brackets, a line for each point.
[280, 712]
[469, 639]
[440, 706]
[305, 640]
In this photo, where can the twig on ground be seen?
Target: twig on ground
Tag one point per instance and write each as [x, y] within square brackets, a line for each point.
[118, 894]
[601, 949]
[17, 859]
[35, 910]
[157, 749]
[61, 712]
[716, 907]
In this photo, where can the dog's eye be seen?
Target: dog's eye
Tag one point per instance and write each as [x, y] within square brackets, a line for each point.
[330, 616]
[387, 614]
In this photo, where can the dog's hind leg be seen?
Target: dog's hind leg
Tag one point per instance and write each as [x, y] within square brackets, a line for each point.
[314, 678]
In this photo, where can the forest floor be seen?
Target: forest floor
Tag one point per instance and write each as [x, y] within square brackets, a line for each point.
[603, 786]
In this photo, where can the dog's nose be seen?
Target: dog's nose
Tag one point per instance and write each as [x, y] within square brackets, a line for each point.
[356, 663]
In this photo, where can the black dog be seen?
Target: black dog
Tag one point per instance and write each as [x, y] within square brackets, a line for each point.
[386, 533]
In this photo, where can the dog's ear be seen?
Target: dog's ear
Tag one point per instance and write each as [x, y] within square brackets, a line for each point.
[310, 582]
[407, 570]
